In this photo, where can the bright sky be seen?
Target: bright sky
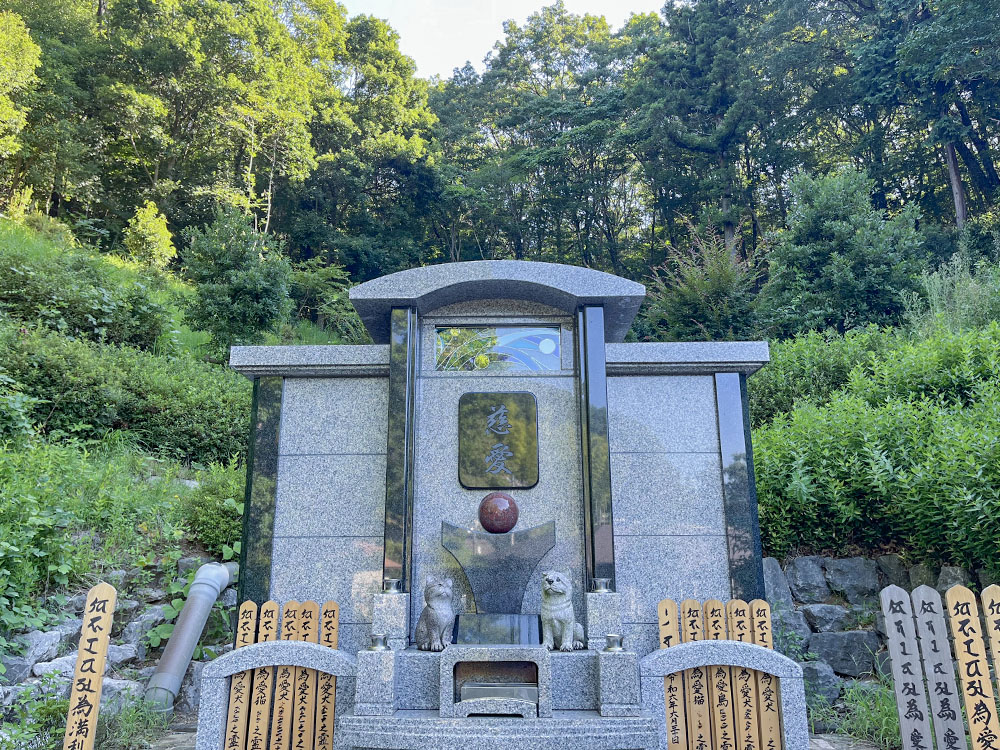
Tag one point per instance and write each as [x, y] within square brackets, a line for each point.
[441, 35]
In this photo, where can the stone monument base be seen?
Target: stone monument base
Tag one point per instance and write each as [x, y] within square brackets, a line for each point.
[427, 730]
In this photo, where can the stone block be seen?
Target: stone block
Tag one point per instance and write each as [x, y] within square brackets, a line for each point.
[663, 414]
[17, 668]
[851, 653]
[136, 632]
[792, 634]
[40, 646]
[922, 574]
[776, 587]
[893, 570]
[334, 415]
[390, 616]
[807, 580]
[375, 682]
[651, 568]
[117, 694]
[618, 680]
[854, 578]
[826, 617]
[951, 575]
[604, 615]
[330, 496]
[347, 570]
[822, 684]
[574, 681]
[667, 493]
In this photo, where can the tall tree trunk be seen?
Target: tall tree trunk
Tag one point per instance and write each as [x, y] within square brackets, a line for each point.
[981, 145]
[955, 178]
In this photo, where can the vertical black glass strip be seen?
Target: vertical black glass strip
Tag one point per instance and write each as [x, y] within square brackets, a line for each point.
[261, 489]
[739, 489]
[596, 448]
[403, 337]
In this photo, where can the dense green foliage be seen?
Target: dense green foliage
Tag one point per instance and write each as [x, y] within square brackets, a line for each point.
[72, 292]
[68, 515]
[840, 264]
[573, 142]
[241, 280]
[173, 406]
[906, 454]
[215, 509]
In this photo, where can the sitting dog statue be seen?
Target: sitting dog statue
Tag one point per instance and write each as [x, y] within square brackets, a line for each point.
[435, 625]
[560, 630]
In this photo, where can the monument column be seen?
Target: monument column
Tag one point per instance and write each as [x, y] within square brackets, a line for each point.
[403, 339]
[596, 453]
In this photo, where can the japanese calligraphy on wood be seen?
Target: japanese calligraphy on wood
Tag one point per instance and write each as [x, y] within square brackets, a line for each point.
[991, 613]
[744, 680]
[720, 683]
[284, 684]
[305, 680]
[767, 684]
[673, 684]
[973, 668]
[85, 694]
[911, 700]
[263, 681]
[699, 717]
[326, 699]
[942, 694]
[497, 440]
[239, 685]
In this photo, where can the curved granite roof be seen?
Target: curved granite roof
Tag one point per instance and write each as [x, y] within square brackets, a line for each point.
[563, 287]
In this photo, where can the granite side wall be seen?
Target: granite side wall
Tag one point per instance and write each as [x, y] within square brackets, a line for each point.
[330, 508]
[666, 478]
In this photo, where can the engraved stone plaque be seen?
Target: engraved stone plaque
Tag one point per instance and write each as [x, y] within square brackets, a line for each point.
[497, 440]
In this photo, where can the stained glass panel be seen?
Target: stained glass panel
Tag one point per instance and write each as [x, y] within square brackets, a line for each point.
[499, 348]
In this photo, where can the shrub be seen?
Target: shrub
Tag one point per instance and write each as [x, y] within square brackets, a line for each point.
[147, 238]
[907, 454]
[75, 293]
[176, 407]
[841, 263]
[701, 293]
[214, 511]
[241, 280]
[811, 367]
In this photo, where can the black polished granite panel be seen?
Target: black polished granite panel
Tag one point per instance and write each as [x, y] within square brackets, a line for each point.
[497, 440]
[498, 566]
[493, 628]
[740, 491]
[595, 446]
[399, 449]
[261, 490]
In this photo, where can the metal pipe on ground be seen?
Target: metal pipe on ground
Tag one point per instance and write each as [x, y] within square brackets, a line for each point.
[209, 583]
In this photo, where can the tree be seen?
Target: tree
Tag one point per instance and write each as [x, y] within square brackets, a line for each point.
[241, 280]
[19, 57]
[147, 238]
[841, 263]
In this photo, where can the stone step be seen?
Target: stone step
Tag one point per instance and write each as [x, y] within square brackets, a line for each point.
[184, 740]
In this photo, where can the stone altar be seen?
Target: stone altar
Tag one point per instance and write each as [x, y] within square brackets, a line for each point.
[644, 467]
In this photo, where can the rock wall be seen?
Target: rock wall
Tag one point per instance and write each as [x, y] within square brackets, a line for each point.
[826, 613]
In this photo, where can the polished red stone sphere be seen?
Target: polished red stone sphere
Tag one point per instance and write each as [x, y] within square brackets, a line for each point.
[498, 513]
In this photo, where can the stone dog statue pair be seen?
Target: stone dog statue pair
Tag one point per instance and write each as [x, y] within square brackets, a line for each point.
[560, 630]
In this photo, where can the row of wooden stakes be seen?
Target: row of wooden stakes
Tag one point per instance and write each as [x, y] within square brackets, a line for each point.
[919, 650]
[717, 707]
[283, 708]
